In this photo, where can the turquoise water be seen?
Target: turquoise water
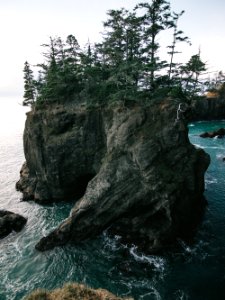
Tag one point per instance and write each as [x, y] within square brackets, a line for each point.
[195, 272]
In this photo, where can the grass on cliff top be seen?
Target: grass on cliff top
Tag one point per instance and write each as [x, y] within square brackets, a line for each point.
[73, 291]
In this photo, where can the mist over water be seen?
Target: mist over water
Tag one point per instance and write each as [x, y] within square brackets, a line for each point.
[195, 272]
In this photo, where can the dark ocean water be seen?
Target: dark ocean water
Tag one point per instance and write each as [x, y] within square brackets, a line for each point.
[195, 272]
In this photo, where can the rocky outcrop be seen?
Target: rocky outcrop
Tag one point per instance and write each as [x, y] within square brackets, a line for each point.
[73, 291]
[131, 170]
[208, 109]
[216, 133]
[63, 149]
[9, 222]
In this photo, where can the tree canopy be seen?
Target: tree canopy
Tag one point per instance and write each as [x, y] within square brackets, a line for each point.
[126, 65]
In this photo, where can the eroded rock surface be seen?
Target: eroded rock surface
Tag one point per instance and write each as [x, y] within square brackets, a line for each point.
[208, 109]
[9, 222]
[132, 170]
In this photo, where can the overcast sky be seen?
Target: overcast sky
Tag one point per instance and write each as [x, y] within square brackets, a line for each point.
[26, 24]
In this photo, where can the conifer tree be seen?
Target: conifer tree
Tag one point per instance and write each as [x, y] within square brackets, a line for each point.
[125, 66]
[192, 70]
[50, 72]
[177, 37]
[156, 18]
[121, 53]
[73, 67]
[72, 51]
[29, 87]
[133, 54]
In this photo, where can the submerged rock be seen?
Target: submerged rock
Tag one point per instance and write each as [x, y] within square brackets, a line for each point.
[9, 222]
[73, 291]
[131, 170]
[217, 133]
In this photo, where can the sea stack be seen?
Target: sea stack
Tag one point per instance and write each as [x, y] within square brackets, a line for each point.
[129, 169]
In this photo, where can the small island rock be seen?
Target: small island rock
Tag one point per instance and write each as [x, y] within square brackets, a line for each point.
[217, 133]
[9, 222]
[131, 170]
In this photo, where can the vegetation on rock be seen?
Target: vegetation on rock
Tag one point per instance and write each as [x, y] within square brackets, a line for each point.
[116, 162]
[124, 66]
[73, 291]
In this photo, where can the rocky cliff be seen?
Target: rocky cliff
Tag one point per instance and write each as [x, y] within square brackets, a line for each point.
[208, 109]
[130, 170]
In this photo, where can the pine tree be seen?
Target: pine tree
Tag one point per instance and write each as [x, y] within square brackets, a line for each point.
[125, 66]
[177, 37]
[60, 75]
[72, 51]
[72, 67]
[156, 18]
[48, 83]
[29, 86]
[120, 53]
[133, 57]
[192, 70]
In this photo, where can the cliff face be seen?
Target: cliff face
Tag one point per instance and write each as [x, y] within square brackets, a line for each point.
[132, 170]
[63, 150]
[208, 109]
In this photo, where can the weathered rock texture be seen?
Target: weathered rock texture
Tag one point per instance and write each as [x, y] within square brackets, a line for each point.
[144, 179]
[208, 109]
[9, 222]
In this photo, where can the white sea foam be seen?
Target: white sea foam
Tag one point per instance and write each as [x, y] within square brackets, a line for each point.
[211, 181]
[17, 248]
[220, 155]
[111, 242]
[208, 147]
[154, 293]
[197, 250]
[199, 146]
[156, 261]
[187, 249]
[215, 147]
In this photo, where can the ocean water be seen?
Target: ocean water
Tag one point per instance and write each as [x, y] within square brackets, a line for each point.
[195, 271]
